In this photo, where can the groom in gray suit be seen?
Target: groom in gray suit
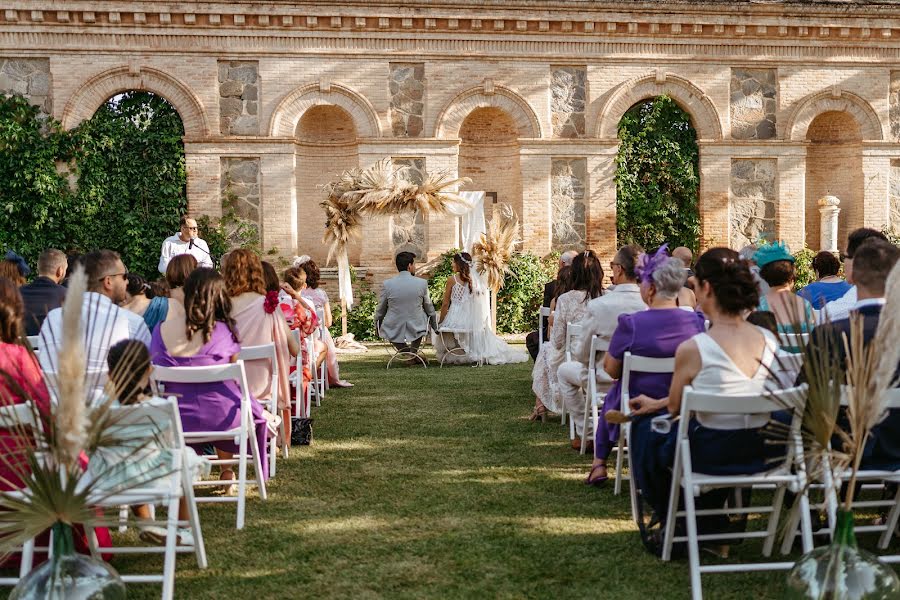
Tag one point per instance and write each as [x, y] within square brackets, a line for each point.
[405, 309]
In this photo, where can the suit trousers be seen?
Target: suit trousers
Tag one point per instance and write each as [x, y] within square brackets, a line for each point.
[408, 347]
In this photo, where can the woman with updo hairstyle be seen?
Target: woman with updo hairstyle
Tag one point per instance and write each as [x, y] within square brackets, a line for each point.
[655, 333]
[207, 335]
[828, 286]
[322, 304]
[734, 357]
[570, 306]
[149, 300]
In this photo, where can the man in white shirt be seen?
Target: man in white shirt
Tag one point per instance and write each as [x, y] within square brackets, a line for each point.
[185, 242]
[840, 308]
[602, 319]
[104, 322]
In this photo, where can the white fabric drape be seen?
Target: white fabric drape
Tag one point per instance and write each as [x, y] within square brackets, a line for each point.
[473, 223]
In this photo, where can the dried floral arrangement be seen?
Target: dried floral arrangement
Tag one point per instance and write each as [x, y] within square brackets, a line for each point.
[496, 246]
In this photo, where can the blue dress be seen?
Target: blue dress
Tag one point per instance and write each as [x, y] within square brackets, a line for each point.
[820, 293]
[156, 312]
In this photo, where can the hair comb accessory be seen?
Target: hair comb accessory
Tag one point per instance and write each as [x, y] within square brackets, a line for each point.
[299, 260]
[24, 269]
[771, 253]
[647, 264]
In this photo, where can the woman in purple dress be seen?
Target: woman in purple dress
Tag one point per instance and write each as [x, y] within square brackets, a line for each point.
[654, 333]
[207, 336]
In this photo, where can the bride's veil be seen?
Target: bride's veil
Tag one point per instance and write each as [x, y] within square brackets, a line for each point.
[481, 313]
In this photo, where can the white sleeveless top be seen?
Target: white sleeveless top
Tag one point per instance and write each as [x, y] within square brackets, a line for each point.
[718, 374]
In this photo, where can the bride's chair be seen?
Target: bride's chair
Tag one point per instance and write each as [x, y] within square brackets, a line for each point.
[456, 349]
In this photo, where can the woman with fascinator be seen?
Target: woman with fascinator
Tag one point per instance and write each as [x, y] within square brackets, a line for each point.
[465, 335]
[654, 333]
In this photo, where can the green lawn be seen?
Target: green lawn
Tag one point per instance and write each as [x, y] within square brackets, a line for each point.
[432, 484]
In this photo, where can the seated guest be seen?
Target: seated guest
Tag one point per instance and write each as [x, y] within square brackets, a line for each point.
[73, 261]
[177, 272]
[872, 262]
[655, 333]
[570, 307]
[301, 316]
[44, 293]
[733, 357]
[11, 271]
[146, 299]
[840, 308]
[776, 267]
[601, 320]
[319, 298]
[105, 322]
[827, 286]
[258, 320]
[208, 336]
[532, 339]
[686, 298]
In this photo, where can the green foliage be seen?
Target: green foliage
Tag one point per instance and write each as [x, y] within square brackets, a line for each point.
[521, 294]
[361, 318]
[803, 271]
[657, 176]
[229, 231]
[129, 163]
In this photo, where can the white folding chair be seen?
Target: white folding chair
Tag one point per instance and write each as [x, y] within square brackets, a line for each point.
[34, 341]
[267, 352]
[784, 475]
[244, 435]
[595, 395]
[633, 364]
[303, 401]
[160, 419]
[573, 330]
[793, 340]
[11, 417]
[543, 313]
[321, 377]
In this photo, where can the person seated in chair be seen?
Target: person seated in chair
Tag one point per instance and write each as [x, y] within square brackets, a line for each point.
[405, 309]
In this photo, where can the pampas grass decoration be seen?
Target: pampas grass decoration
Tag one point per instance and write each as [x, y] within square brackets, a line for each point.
[888, 334]
[496, 246]
[70, 377]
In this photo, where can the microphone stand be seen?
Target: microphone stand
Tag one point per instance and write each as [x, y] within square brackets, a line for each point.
[213, 258]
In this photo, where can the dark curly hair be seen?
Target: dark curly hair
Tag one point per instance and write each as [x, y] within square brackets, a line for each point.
[243, 272]
[312, 274]
[206, 301]
[730, 278]
[12, 311]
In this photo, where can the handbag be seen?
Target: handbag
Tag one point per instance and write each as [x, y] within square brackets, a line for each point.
[301, 431]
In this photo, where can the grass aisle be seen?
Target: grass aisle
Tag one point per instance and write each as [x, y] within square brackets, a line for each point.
[432, 484]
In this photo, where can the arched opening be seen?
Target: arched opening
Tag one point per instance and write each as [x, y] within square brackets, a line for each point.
[657, 176]
[834, 167]
[325, 147]
[489, 156]
[131, 178]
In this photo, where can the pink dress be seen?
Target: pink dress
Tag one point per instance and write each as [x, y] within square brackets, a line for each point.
[319, 298]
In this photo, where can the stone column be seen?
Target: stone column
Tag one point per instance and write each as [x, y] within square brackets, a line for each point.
[828, 228]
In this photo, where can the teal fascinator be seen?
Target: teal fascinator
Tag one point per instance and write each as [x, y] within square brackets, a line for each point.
[771, 253]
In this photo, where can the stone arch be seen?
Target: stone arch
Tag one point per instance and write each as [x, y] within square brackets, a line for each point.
[98, 89]
[704, 116]
[289, 111]
[828, 101]
[451, 118]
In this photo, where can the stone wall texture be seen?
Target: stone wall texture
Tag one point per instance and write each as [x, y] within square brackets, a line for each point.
[567, 97]
[511, 90]
[408, 232]
[239, 97]
[241, 185]
[567, 184]
[753, 103]
[894, 207]
[753, 200]
[407, 88]
[29, 77]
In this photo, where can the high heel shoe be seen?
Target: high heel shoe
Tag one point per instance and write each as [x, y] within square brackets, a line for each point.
[539, 413]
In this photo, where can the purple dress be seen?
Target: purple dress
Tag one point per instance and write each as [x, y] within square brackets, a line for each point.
[211, 406]
[653, 333]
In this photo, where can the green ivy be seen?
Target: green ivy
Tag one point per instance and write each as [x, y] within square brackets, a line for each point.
[128, 162]
[803, 271]
[657, 176]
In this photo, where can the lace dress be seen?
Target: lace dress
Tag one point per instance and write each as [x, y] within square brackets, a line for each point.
[571, 307]
[466, 331]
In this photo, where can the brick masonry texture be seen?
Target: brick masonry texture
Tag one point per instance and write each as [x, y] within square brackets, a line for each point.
[499, 92]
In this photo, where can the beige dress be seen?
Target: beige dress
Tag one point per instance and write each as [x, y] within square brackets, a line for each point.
[571, 307]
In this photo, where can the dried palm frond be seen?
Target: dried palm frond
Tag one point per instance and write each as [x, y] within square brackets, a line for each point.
[493, 251]
[889, 332]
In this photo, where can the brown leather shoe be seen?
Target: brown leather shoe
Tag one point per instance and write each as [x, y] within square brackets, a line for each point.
[588, 445]
[576, 443]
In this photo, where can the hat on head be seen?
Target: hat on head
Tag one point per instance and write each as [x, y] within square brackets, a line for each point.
[771, 253]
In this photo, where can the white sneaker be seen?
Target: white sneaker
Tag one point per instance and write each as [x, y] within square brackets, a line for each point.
[185, 537]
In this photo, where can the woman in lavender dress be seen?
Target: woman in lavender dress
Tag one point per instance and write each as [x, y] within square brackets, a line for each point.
[207, 337]
[654, 333]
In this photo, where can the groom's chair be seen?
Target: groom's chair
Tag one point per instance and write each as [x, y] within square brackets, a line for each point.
[409, 354]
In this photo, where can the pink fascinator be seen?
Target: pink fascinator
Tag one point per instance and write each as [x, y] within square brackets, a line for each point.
[647, 263]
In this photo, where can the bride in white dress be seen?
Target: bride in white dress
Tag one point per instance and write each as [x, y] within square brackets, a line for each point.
[465, 334]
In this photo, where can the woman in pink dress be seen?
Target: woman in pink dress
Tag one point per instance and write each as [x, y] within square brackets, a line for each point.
[319, 298]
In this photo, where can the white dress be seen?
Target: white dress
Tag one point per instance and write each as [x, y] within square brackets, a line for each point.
[466, 329]
[571, 307]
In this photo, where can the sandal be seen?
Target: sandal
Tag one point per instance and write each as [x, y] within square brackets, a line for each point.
[539, 414]
[591, 480]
